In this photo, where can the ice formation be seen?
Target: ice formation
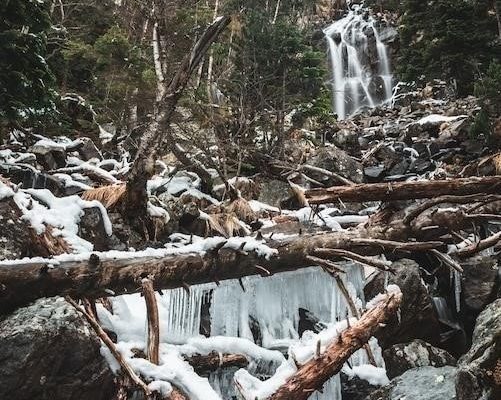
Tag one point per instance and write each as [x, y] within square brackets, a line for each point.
[237, 311]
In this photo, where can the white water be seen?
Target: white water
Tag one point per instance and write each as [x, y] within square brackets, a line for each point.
[355, 83]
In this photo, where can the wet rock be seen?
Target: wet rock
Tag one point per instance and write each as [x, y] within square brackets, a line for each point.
[309, 322]
[336, 160]
[354, 388]
[86, 149]
[423, 383]
[374, 173]
[49, 353]
[274, 192]
[480, 282]
[92, 229]
[479, 370]
[402, 357]
[417, 317]
[30, 178]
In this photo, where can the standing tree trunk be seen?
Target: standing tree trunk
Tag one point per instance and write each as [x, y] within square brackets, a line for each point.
[157, 133]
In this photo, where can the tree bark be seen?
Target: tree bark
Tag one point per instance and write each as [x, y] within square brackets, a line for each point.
[203, 365]
[405, 190]
[312, 375]
[21, 283]
[158, 133]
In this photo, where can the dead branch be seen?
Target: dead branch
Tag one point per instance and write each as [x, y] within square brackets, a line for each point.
[23, 282]
[158, 132]
[483, 244]
[126, 368]
[153, 321]
[312, 375]
[205, 364]
[349, 255]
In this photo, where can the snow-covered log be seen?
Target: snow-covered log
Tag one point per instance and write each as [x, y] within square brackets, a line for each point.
[405, 190]
[312, 375]
[106, 274]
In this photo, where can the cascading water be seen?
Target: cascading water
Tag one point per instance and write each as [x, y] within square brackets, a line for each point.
[361, 72]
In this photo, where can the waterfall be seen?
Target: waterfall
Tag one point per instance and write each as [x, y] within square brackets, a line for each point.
[361, 72]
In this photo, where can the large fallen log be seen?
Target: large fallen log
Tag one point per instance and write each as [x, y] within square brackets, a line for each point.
[405, 190]
[312, 375]
[96, 277]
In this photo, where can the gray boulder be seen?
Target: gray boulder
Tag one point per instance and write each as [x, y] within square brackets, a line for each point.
[402, 357]
[479, 370]
[48, 352]
[417, 316]
[423, 383]
[336, 160]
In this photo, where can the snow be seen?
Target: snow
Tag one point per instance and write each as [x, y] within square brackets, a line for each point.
[438, 119]
[373, 375]
[5, 191]
[234, 345]
[390, 289]
[199, 246]
[41, 208]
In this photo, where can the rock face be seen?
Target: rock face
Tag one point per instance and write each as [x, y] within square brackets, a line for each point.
[479, 372]
[417, 316]
[402, 357]
[49, 353]
[423, 383]
[479, 285]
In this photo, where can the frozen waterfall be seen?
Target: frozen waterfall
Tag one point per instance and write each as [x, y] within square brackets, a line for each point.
[361, 72]
[264, 310]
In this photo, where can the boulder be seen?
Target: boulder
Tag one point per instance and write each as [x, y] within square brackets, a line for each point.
[479, 370]
[423, 383]
[49, 157]
[480, 282]
[274, 192]
[91, 228]
[355, 388]
[336, 160]
[402, 357]
[417, 317]
[48, 352]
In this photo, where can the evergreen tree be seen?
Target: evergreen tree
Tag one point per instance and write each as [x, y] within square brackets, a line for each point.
[447, 39]
[25, 78]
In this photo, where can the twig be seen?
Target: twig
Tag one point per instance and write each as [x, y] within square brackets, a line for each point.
[346, 254]
[126, 368]
[329, 266]
[448, 260]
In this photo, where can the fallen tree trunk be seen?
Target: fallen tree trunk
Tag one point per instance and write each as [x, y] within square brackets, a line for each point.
[312, 375]
[102, 275]
[21, 283]
[204, 365]
[404, 190]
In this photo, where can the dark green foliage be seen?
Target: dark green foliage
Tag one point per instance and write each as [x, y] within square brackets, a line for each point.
[25, 79]
[481, 125]
[276, 69]
[447, 39]
[488, 88]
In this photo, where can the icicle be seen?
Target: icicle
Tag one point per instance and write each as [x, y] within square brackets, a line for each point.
[457, 289]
